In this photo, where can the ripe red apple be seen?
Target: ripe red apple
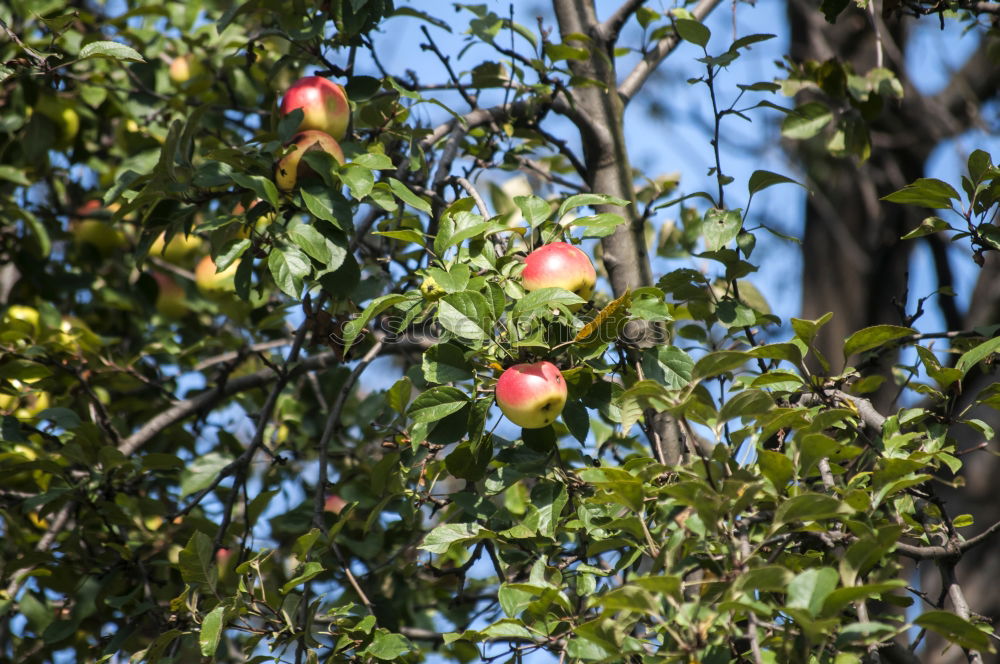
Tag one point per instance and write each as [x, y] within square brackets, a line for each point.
[559, 265]
[531, 395]
[323, 103]
[334, 503]
[291, 168]
[170, 300]
[211, 282]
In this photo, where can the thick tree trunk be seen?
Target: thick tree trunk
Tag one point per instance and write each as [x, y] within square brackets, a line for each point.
[855, 265]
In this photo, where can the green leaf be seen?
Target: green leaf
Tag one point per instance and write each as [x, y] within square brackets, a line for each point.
[598, 225]
[779, 351]
[289, 267]
[669, 366]
[353, 328]
[15, 175]
[260, 185]
[927, 227]
[196, 561]
[693, 31]
[579, 200]
[776, 467]
[628, 598]
[806, 120]
[744, 42]
[440, 539]
[388, 646]
[211, 631]
[808, 329]
[546, 299]
[404, 194]
[110, 49]
[841, 597]
[318, 246]
[534, 209]
[309, 571]
[873, 337]
[327, 204]
[807, 507]
[404, 235]
[976, 355]
[718, 363]
[24, 370]
[358, 179]
[867, 552]
[373, 161]
[445, 363]
[764, 179]
[201, 472]
[466, 314]
[549, 498]
[955, 629]
[437, 403]
[773, 578]
[746, 403]
[928, 192]
[809, 589]
[720, 228]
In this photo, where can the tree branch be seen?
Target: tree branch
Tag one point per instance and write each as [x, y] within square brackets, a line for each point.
[611, 28]
[642, 71]
[951, 550]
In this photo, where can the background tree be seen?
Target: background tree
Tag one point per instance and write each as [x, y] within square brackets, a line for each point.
[200, 459]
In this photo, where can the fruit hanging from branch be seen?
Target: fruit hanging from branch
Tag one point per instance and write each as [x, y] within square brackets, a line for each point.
[291, 168]
[560, 265]
[323, 103]
[531, 395]
[212, 282]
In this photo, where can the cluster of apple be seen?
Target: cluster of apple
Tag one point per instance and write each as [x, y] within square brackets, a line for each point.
[533, 395]
[325, 116]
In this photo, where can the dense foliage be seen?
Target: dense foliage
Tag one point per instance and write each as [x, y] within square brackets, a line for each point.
[193, 467]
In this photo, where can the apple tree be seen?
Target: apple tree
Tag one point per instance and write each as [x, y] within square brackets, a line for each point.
[248, 372]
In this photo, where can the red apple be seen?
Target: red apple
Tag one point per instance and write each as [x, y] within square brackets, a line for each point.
[559, 265]
[334, 503]
[531, 395]
[291, 168]
[211, 282]
[170, 300]
[323, 103]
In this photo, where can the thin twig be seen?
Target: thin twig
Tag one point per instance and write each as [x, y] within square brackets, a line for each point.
[642, 71]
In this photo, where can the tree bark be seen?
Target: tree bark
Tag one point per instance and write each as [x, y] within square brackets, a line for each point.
[855, 265]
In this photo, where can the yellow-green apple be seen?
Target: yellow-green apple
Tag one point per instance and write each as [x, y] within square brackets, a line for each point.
[431, 289]
[212, 282]
[101, 235]
[178, 250]
[170, 300]
[259, 226]
[188, 73]
[559, 265]
[62, 114]
[323, 103]
[291, 168]
[531, 395]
